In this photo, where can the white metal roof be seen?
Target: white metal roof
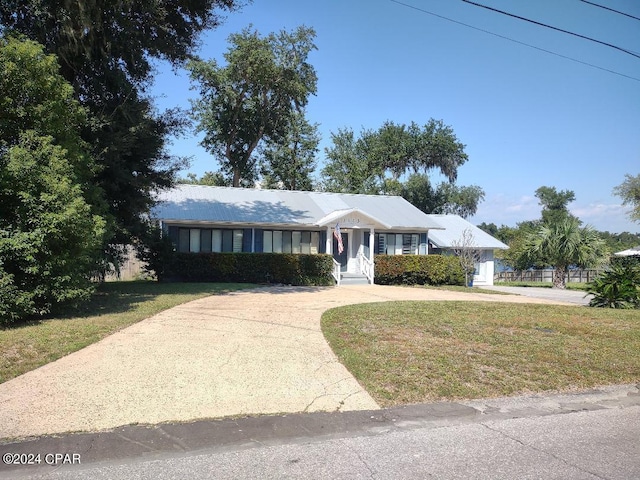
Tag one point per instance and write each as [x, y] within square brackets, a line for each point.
[454, 226]
[199, 203]
[629, 252]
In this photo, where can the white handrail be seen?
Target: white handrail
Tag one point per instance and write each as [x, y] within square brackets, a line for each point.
[336, 271]
[366, 267]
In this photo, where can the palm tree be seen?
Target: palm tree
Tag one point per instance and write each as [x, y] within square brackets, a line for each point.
[564, 244]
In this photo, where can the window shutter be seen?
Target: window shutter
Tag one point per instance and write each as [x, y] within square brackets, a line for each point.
[237, 241]
[173, 236]
[247, 237]
[423, 244]
[381, 243]
[258, 242]
[286, 241]
[322, 247]
[398, 250]
[227, 240]
[205, 240]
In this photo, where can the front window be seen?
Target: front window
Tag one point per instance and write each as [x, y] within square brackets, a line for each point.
[286, 241]
[397, 243]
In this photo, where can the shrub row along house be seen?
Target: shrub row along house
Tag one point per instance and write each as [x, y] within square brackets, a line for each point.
[352, 228]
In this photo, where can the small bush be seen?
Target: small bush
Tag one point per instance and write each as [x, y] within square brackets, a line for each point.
[418, 270]
[291, 269]
[618, 287]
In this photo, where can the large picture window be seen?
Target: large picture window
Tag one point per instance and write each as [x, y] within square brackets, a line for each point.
[209, 240]
[286, 241]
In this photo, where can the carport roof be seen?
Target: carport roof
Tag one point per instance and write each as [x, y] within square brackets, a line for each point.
[454, 227]
[226, 205]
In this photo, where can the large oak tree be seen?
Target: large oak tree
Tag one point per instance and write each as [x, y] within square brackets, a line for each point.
[106, 49]
[253, 97]
[629, 191]
[396, 159]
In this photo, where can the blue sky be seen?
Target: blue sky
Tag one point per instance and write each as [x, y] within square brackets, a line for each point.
[527, 118]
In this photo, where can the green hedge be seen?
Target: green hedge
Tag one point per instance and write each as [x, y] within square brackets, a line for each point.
[418, 270]
[630, 261]
[298, 269]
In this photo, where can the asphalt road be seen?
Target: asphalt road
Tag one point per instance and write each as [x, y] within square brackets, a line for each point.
[591, 435]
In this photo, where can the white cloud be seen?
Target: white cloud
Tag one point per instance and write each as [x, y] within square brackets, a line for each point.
[603, 216]
[504, 210]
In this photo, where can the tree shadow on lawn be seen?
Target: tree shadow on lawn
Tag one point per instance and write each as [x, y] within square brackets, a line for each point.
[120, 297]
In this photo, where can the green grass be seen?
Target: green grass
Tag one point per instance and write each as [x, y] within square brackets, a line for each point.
[114, 306]
[570, 285]
[460, 288]
[411, 352]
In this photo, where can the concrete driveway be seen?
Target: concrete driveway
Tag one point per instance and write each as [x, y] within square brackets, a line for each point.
[576, 297]
[250, 352]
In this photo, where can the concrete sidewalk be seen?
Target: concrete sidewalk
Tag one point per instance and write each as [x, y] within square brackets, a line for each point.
[249, 352]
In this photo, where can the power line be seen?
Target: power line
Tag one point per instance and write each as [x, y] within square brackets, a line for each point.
[515, 41]
[610, 9]
[553, 28]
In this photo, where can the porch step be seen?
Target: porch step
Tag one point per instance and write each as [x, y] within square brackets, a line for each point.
[353, 279]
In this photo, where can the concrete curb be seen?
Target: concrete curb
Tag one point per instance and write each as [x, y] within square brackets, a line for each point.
[148, 442]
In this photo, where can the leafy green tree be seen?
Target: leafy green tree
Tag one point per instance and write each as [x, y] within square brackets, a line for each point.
[458, 200]
[106, 50]
[620, 241]
[446, 198]
[378, 162]
[50, 232]
[397, 150]
[629, 191]
[554, 203]
[418, 191]
[213, 179]
[49, 238]
[515, 257]
[490, 228]
[35, 97]
[348, 169]
[289, 163]
[564, 244]
[253, 97]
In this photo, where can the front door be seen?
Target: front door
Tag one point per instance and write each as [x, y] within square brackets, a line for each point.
[341, 258]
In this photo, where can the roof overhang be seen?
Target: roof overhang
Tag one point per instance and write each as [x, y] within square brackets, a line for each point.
[630, 252]
[352, 218]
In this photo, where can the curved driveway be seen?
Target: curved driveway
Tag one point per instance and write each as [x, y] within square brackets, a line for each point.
[250, 352]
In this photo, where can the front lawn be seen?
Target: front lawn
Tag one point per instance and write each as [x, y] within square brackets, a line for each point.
[114, 306]
[412, 352]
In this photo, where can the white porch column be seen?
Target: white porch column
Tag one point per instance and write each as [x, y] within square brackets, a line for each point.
[371, 247]
[329, 243]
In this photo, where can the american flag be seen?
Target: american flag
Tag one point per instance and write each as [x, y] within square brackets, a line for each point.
[338, 235]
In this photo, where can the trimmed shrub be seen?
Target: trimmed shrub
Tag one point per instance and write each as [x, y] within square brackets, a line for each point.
[418, 270]
[291, 269]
